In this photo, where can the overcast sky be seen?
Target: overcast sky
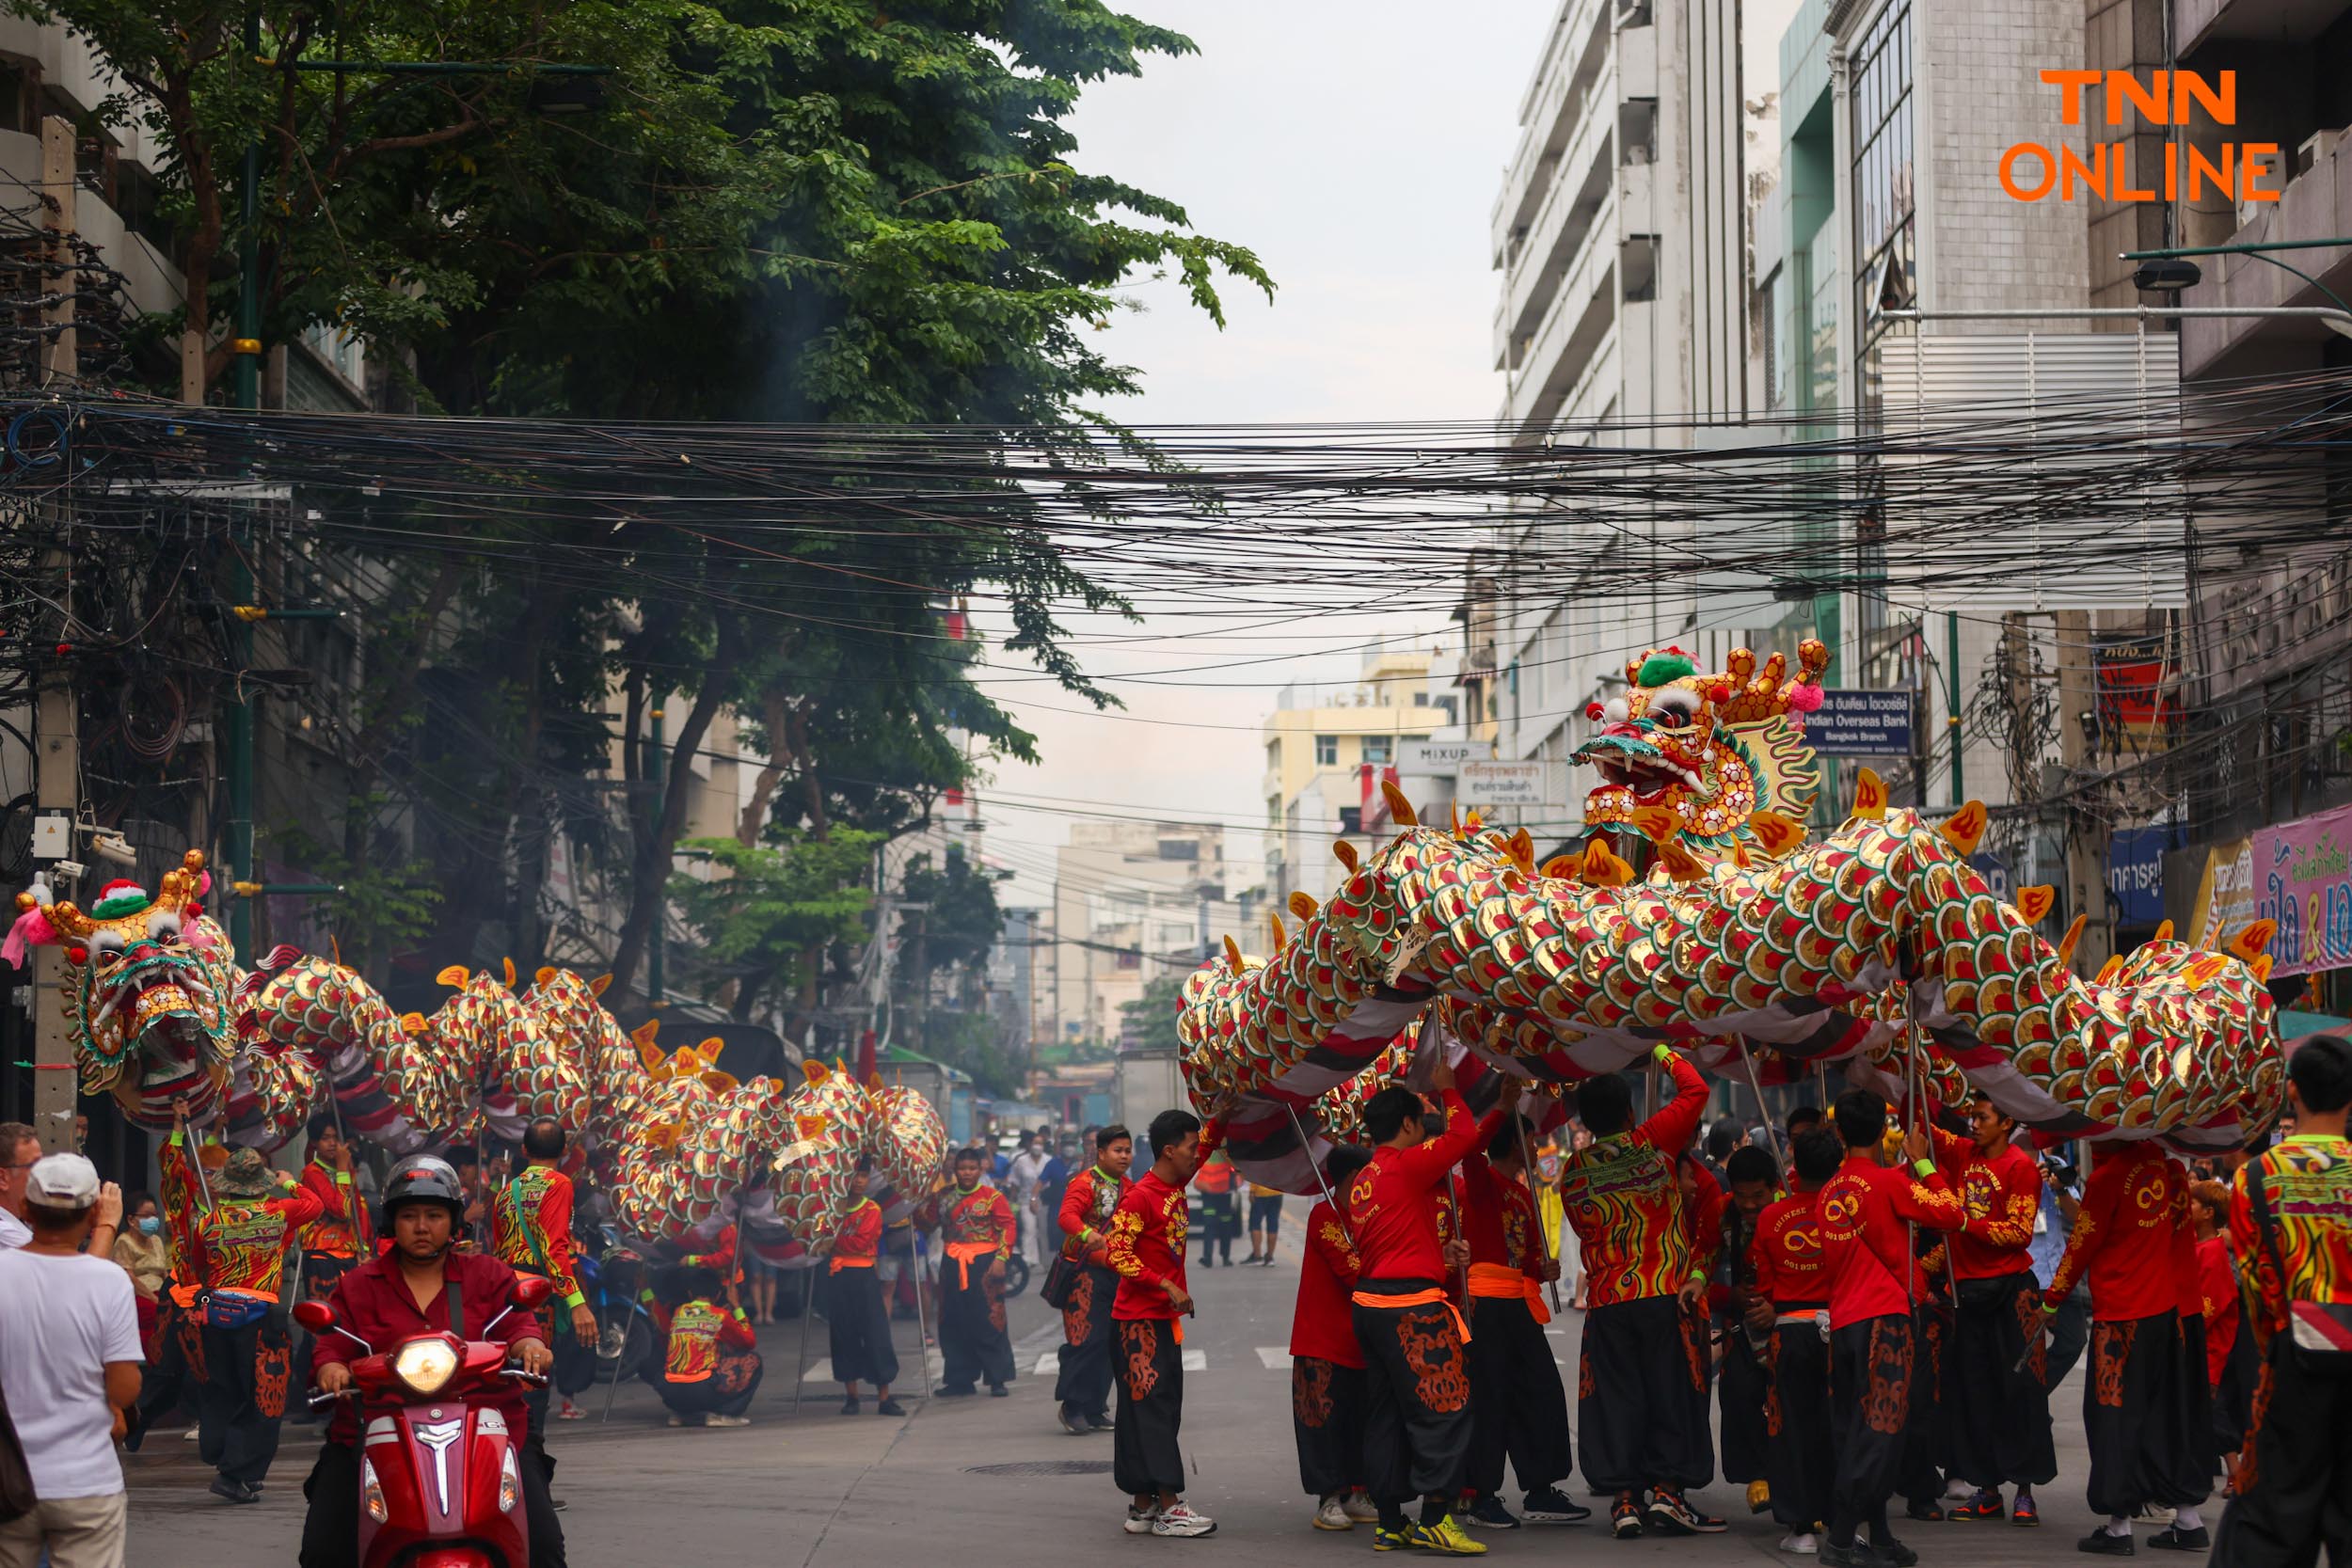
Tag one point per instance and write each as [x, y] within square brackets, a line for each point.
[1357, 149]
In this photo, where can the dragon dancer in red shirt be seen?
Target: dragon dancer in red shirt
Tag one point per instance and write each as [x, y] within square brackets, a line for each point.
[1327, 1365]
[1417, 1423]
[531, 1232]
[1516, 1404]
[1641, 1412]
[2123, 1243]
[1082, 1388]
[1147, 1251]
[333, 1244]
[976, 1227]
[854, 1312]
[1790, 1306]
[1865, 1213]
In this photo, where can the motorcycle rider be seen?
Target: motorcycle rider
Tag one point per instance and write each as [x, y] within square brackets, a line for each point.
[394, 1296]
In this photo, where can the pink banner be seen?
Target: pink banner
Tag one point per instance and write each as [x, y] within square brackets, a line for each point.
[2302, 873]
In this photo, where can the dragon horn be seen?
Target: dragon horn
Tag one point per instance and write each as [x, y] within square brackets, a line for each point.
[2249, 944]
[1344, 853]
[455, 976]
[1399, 807]
[510, 973]
[1281, 939]
[2164, 931]
[70, 921]
[1303, 903]
[2074, 934]
[1232, 955]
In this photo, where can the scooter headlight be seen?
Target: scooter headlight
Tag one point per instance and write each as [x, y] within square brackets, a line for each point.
[425, 1365]
[372, 1493]
[510, 1484]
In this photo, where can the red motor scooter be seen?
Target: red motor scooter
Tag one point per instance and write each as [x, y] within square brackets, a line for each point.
[440, 1484]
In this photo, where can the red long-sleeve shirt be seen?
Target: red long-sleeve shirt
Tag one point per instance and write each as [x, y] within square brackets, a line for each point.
[1622, 1197]
[1393, 1202]
[2122, 1237]
[1785, 1255]
[981, 1217]
[1086, 1207]
[236, 1245]
[1323, 1325]
[720, 1260]
[343, 1228]
[2217, 1289]
[1498, 1213]
[2187, 1279]
[858, 1243]
[531, 1227]
[1864, 1214]
[1146, 1248]
[696, 1331]
[373, 1302]
[2002, 1193]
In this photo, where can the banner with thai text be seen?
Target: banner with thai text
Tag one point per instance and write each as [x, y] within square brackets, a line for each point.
[2303, 880]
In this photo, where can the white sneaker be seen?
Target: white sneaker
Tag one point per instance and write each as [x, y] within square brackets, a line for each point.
[1800, 1545]
[1958, 1491]
[1361, 1508]
[191, 1435]
[1180, 1520]
[727, 1420]
[1139, 1520]
[1333, 1515]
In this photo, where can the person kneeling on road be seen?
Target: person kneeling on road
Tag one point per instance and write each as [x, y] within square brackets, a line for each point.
[711, 1366]
[397, 1295]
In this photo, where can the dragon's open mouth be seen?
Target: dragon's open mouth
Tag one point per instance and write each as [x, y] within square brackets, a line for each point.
[1638, 766]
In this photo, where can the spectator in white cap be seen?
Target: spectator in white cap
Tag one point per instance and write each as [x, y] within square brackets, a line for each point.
[19, 1145]
[68, 1370]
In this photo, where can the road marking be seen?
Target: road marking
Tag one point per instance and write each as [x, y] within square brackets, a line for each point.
[821, 1369]
[1050, 1363]
[1277, 1357]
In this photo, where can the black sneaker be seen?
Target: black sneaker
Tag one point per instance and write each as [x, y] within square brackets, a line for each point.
[2100, 1544]
[1548, 1505]
[1897, 1553]
[957, 1391]
[1927, 1512]
[1490, 1513]
[1857, 1553]
[1099, 1423]
[850, 1406]
[998, 1391]
[2172, 1538]
[1625, 1516]
[235, 1491]
[889, 1406]
[1671, 1513]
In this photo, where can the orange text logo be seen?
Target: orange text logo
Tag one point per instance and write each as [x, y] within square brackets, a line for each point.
[2031, 171]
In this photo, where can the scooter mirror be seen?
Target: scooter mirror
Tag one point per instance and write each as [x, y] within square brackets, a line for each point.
[315, 1316]
[530, 1290]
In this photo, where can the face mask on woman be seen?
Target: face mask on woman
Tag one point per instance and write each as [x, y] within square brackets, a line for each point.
[150, 1225]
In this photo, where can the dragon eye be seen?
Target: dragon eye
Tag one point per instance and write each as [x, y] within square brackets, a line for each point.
[162, 926]
[106, 946]
[1674, 709]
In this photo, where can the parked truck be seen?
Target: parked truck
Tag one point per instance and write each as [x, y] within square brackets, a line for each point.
[1148, 1081]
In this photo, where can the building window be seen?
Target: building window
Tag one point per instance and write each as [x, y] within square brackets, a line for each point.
[1883, 183]
[1180, 849]
[1327, 750]
[1380, 750]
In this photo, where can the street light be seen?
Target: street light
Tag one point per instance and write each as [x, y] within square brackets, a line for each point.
[2159, 268]
[2167, 275]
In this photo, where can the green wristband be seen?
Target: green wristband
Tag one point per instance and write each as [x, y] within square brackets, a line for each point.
[1662, 1052]
[1925, 1167]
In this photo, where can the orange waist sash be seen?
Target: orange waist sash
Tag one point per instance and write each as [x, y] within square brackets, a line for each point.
[1431, 1297]
[1501, 1282]
[964, 1253]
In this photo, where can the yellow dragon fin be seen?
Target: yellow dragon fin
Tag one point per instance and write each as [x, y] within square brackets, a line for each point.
[2249, 943]
[1232, 955]
[1869, 797]
[546, 975]
[1454, 817]
[814, 1070]
[2074, 934]
[1679, 863]
[412, 1024]
[1344, 853]
[1281, 938]
[1776, 833]
[2261, 966]
[723, 1082]
[1965, 827]
[2164, 931]
[1656, 823]
[1561, 865]
[2035, 903]
[454, 975]
[1522, 848]
[510, 973]
[2109, 970]
[597, 987]
[1602, 866]
[1400, 809]
[1303, 905]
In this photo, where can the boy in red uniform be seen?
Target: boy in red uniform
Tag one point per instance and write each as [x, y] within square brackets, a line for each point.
[1790, 1306]
[2123, 1241]
[2229, 1354]
[855, 1314]
[1417, 1428]
[1864, 1214]
[1999, 1403]
[1742, 1381]
[332, 1244]
[234, 1243]
[1082, 1389]
[976, 1229]
[1327, 1365]
[1516, 1404]
[710, 1365]
[1147, 1252]
[531, 1232]
[1642, 1383]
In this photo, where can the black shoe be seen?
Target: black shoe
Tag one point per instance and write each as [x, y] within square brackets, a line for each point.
[998, 1391]
[1929, 1512]
[2102, 1544]
[850, 1406]
[559, 1504]
[957, 1392]
[235, 1491]
[1098, 1423]
[1857, 1554]
[2172, 1538]
[1897, 1553]
[1671, 1513]
[1625, 1516]
[1490, 1513]
[1071, 1422]
[889, 1407]
[1548, 1505]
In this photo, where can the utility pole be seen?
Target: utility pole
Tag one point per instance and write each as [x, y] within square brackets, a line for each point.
[245, 361]
[657, 770]
[1951, 701]
[2086, 873]
[61, 358]
[56, 746]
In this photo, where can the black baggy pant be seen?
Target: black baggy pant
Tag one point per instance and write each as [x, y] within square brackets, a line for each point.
[1996, 1387]
[1146, 1452]
[859, 1329]
[2295, 1479]
[1742, 1388]
[1083, 1383]
[2131, 1417]
[727, 1392]
[1801, 1455]
[973, 1344]
[1516, 1404]
[1871, 1371]
[1327, 1420]
[1641, 1397]
[1417, 1397]
[1926, 1431]
[330, 1532]
[2195, 1461]
[241, 1398]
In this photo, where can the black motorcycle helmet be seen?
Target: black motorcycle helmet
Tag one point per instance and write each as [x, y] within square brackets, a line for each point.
[420, 1178]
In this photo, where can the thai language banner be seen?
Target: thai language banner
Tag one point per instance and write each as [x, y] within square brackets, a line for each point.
[2303, 880]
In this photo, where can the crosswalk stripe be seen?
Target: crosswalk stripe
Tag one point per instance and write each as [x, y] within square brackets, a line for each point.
[1275, 1357]
[821, 1369]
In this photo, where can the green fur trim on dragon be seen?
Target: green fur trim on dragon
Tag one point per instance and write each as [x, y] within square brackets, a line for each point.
[1745, 946]
[161, 1014]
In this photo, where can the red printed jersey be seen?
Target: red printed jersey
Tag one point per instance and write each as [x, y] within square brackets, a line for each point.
[531, 1227]
[1146, 1248]
[236, 1245]
[1498, 1213]
[2122, 1239]
[2216, 1298]
[860, 1236]
[1622, 1197]
[1324, 1323]
[2002, 1193]
[981, 1217]
[1785, 1255]
[342, 1229]
[1864, 1214]
[697, 1329]
[2187, 1282]
[1393, 1203]
[1086, 1207]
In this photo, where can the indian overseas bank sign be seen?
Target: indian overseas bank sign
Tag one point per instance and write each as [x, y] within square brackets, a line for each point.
[1857, 723]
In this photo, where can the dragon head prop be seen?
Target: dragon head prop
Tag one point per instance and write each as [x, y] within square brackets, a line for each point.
[148, 994]
[1710, 763]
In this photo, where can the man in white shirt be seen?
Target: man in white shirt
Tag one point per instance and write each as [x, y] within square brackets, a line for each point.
[68, 1370]
[1021, 1179]
[19, 1145]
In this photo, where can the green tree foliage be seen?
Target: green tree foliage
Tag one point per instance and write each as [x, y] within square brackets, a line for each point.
[962, 920]
[769, 905]
[1150, 1019]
